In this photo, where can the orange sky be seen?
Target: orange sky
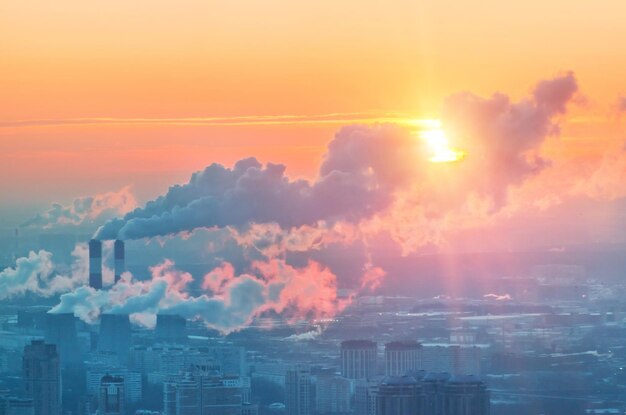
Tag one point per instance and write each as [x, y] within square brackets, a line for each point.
[152, 59]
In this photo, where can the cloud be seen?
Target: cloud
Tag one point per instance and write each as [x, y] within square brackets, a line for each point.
[36, 274]
[497, 297]
[83, 210]
[503, 138]
[363, 167]
[231, 302]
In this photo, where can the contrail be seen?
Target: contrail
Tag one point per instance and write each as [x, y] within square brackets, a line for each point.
[244, 120]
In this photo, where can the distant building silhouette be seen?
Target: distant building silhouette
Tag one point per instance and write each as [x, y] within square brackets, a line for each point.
[457, 359]
[41, 373]
[365, 392]
[298, 391]
[401, 357]
[422, 393]
[332, 395]
[115, 335]
[206, 392]
[16, 406]
[61, 331]
[358, 359]
[170, 328]
[466, 395]
[399, 395]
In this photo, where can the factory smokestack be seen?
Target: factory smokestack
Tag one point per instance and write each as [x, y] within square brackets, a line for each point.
[120, 259]
[95, 264]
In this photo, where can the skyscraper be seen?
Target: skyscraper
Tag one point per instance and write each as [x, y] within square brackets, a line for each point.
[41, 374]
[95, 264]
[298, 391]
[399, 395]
[111, 399]
[61, 331]
[401, 357]
[115, 335]
[358, 359]
[332, 395]
[466, 395]
[120, 259]
[365, 392]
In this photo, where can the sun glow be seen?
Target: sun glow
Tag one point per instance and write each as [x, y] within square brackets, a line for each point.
[440, 150]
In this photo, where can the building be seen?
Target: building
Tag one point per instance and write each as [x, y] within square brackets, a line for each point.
[433, 389]
[333, 395]
[231, 359]
[466, 395]
[111, 397]
[432, 394]
[41, 373]
[298, 391]
[95, 264]
[61, 331]
[358, 359]
[399, 395]
[16, 406]
[402, 357]
[456, 359]
[115, 335]
[170, 328]
[132, 381]
[202, 392]
[119, 258]
[365, 392]
[250, 409]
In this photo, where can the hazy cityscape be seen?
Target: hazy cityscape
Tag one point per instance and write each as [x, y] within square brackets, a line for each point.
[551, 341]
[312, 207]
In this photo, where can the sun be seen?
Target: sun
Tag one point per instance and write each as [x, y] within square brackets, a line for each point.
[440, 150]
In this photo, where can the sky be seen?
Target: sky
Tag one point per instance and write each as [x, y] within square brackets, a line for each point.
[290, 149]
[98, 96]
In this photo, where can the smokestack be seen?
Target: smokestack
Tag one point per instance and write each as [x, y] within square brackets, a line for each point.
[120, 259]
[95, 264]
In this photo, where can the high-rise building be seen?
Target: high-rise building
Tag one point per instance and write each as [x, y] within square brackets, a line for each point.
[456, 359]
[16, 406]
[365, 391]
[115, 335]
[298, 391]
[402, 357]
[61, 331]
[231, 359]
[432, 394]
[202, 392]
[358, 359]
[221, 395]
[120, 259]
[171, 328]
[332, 395]
[466, 395]
[111, 399]
[95, 264]
[433, 389]
[399, 395]
[41, 374]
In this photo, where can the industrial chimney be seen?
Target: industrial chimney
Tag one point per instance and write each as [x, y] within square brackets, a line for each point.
[95, 264]
[120, 259]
